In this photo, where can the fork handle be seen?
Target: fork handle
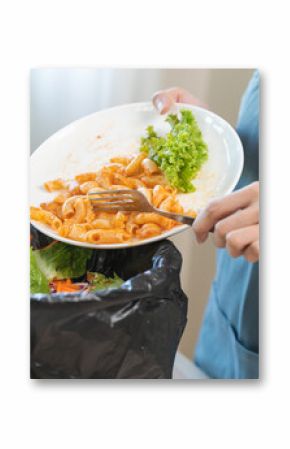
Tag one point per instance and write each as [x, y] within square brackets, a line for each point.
[181, 218]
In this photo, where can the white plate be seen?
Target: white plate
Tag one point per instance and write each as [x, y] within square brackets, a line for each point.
[88, 143]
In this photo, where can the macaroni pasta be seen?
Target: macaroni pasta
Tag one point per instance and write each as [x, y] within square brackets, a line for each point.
[71, 215]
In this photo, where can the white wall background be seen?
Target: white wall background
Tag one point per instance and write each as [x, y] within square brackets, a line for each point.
[59, 96]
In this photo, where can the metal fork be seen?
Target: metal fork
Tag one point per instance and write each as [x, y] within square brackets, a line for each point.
[130, 200]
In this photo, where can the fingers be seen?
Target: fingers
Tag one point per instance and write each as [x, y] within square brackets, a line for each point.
[252, 253]
[244, 241]
[164, 99]
[222, 207]
[240, 219]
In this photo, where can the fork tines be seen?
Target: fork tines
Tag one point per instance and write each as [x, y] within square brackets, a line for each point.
[112, 200]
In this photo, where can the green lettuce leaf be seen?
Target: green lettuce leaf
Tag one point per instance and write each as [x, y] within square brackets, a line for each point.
[99, 281]
[181, 153]
[62, 261]
[38, 282]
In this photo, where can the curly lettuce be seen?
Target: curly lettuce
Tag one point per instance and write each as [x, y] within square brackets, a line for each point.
[62, 261]
[99, 281]
[38, 281]
[181, 153]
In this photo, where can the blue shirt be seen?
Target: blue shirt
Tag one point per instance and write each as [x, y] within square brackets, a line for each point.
[228, 344]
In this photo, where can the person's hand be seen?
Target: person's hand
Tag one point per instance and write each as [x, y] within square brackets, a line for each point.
[164, 99]
[235, 223]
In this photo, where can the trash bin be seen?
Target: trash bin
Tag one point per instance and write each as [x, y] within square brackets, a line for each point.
[128, 332]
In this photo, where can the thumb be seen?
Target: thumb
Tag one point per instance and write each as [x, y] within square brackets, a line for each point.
[162, 102]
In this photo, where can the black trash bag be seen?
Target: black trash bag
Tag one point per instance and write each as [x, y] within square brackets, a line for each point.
[127, 333]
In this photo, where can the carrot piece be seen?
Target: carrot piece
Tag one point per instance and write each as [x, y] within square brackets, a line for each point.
[66, 285]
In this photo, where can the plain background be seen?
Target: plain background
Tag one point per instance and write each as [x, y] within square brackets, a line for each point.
[221, 414]
[61, 95]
